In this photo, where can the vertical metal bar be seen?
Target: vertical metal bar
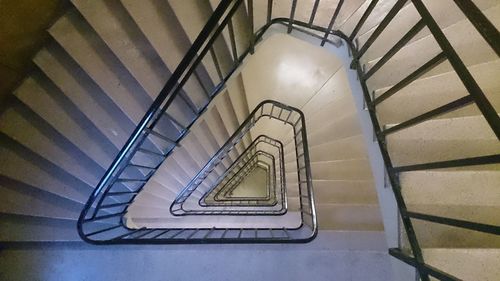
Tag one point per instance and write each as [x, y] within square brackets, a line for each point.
[411, 77]
[313, 13]
[481, 22]
[250, 15]
[382, 25]
[200, 81]
[393, 177]
[470, 84]
[400, 44]
[232, 39]
[292, 16]
[332, 21]
[421, 267]
[363, 19]
[269, 11]
[216, 63]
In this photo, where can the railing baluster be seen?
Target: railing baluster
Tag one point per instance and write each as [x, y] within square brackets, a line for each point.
[216, 63]
[108, 206]
[103, 217]
[103, 230]
[360, 23]
[176, 122]
[435, 61]
[147, 151]
[332, 22]
[269, 11]
[470, 84]
[292, 16]
[160, 234]
[232, 39]
[252, 36]
[313, 12]
[422, 267]
[486, 228]
[472, 161]
[430, 114]
[400, 44]
[380, 28]
[481, 22]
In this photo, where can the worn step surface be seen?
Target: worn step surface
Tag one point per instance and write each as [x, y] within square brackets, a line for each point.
[443, 139]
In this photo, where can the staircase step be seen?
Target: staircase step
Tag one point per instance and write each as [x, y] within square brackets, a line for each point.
[376, 15]
[22, 199]
[158, 189]
[361, 217]
[472, 51]
[445, 13]
[431, 92]
[158, 23]
[466, 264]
[96, 59]
[81, 90]
[432, 235]
[340, 128]
[27, 229]
[42, 173]
[50, 104]
[159, 217]
[33, 133]
[353, 169]
[220, 135]
[476, 213]
[345, 191]
[451, 187]
[348, 148]
[442, 139]
[202, 133]
[241, 30]
[117, 29]
[193, 16]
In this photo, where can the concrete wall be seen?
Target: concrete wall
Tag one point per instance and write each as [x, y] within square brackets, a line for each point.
[22, 33]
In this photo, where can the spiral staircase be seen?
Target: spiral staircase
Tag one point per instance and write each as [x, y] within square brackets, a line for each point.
[256, 126]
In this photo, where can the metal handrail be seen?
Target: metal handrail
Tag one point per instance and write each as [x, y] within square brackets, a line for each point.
[219, 187]
[233, 235]
[273, 110]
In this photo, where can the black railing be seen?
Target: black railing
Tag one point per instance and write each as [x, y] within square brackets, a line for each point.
[203, 44]
[274, 111]
[219, 193]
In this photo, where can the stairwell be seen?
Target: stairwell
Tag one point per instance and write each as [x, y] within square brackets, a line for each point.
[107, 62]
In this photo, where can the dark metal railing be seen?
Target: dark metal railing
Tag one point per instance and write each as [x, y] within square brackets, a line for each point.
[261, 146]
[274, 111]
[475, 96]
[218, 194]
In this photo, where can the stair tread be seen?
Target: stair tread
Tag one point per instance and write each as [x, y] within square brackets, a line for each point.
[472, 51]
[466, 264]
[25, 229]
[349, 217]
[53, 107]
[42, 174]
[21, 199]
[158, 23]
[81, 90]
[451, 187]
[445, 13]
[95, 58]
[43, 141]
[431, 92]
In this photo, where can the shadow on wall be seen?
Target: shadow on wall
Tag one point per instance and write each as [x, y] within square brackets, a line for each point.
[22, 32]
